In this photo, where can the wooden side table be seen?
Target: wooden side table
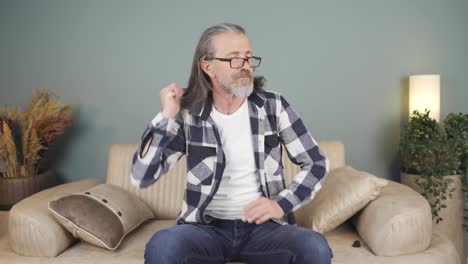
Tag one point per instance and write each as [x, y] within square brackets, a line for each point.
[3, 223]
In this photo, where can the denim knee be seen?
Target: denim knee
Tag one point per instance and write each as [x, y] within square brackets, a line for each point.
[161, 248]
[313, 246]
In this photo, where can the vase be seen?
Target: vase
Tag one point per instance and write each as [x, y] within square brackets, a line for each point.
[15, 189]
[452, 224]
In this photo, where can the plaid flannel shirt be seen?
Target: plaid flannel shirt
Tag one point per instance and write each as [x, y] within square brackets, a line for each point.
[273, 122]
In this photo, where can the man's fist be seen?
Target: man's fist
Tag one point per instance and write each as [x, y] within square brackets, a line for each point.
[170, 100]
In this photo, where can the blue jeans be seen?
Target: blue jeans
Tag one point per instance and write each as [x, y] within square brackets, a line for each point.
[235, 240]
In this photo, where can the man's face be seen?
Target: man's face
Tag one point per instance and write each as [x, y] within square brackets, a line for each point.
[238, 82]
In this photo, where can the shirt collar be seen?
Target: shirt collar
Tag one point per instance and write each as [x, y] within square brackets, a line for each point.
[255, 97]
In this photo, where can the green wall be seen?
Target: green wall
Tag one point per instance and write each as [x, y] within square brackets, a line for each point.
[342, 64]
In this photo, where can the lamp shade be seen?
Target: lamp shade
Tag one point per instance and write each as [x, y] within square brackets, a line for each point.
[424, 93]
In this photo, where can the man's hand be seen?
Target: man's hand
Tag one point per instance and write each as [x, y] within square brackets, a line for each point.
[262, 210]
[170, 100]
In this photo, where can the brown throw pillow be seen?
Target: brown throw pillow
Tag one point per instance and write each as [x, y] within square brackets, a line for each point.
[102, 215]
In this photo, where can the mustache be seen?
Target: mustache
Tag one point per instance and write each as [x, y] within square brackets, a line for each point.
[243, 73]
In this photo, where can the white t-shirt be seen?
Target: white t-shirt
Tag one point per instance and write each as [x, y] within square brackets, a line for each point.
[239, 185]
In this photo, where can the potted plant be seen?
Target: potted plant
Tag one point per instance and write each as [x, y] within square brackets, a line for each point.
[456, 126]
[431, 165]
[25, 137]
[427, 153]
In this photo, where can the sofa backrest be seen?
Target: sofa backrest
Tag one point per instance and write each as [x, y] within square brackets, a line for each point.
[165, 195]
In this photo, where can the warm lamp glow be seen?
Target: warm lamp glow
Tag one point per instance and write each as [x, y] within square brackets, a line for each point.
[424, 93]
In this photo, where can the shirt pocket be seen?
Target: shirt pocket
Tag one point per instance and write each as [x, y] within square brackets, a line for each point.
[201, 161]
[272, 155]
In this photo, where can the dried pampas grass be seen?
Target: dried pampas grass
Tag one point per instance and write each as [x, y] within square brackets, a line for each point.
[25, 136]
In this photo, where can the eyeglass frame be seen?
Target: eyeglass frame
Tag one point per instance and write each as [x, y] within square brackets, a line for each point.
[243, 62]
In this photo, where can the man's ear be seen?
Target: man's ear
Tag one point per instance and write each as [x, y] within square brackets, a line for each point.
[206, 67]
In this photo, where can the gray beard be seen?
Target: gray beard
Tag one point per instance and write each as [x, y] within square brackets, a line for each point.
[238, 90]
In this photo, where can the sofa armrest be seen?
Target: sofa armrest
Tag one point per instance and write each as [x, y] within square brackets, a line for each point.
[398, 222]
[33, 231]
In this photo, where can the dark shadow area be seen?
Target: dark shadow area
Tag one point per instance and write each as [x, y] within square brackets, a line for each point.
[404, 106]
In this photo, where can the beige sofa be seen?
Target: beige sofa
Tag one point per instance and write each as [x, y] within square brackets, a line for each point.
[388, 227]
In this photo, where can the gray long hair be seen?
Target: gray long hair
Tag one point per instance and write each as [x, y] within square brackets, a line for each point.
[199, 85]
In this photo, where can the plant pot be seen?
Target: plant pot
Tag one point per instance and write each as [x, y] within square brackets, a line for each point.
[13, 190]
[452, 224]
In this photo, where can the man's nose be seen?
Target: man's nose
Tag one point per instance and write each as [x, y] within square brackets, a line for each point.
[246, 65]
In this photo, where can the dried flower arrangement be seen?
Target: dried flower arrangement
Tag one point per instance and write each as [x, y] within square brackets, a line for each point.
[26, 135]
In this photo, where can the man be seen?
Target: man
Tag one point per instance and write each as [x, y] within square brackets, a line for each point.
[236, 205]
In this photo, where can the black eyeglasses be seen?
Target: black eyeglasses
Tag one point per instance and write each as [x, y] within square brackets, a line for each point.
[237, 63]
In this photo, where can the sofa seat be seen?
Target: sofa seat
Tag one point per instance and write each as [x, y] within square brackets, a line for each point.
[341, 239]
[131, 251]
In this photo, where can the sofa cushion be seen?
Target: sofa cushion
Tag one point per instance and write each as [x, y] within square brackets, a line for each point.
[33, 231]
[345, 192]
[398, 222]
[102, 215]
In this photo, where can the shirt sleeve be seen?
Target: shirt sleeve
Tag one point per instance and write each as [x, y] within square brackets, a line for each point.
[302, 150]
[162, 145]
